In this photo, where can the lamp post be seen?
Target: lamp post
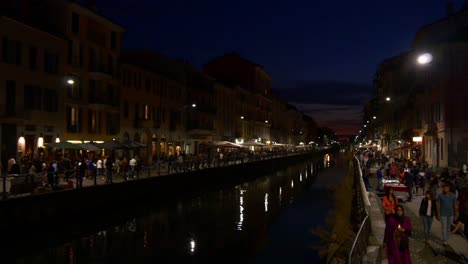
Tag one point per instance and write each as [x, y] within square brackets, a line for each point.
[185, 109]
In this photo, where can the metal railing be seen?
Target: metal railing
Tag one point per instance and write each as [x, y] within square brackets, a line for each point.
[17, 185]
[361, 240]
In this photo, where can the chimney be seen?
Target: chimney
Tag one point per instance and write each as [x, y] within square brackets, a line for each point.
[450, 8]
[92, 5]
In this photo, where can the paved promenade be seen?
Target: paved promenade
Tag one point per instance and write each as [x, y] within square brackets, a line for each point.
[434, 252]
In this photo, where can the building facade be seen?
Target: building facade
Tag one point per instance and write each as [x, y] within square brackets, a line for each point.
[31, 88]
[67, 78]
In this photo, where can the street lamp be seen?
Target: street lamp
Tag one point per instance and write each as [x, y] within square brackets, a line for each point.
[424, 58]
[374, 117]
[242, 117]
[388, 99]
[194, 105]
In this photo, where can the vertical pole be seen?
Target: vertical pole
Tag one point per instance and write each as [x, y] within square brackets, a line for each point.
[4, 184]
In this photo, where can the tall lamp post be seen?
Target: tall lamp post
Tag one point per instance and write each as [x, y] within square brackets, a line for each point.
[423, 59]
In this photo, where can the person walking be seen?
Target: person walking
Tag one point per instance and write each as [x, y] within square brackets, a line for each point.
[409, 182]
[462, 201]
[109, 165]
[427, 211]
[81, 174]
[397, 232]
[393, 171]
[379, 179]
[389, 203]
[446, 211]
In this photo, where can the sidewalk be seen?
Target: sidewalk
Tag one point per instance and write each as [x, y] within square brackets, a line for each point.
[434, 252]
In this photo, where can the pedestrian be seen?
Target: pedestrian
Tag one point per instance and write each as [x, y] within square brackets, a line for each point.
[462, 202]
[446, 210]
[379, 179]
[81, 174]
[427, 210]
[10, 164]
[434, 183]
[389, 203]
[109, 165]
[397, 233]
[393, 171]
[409, 182]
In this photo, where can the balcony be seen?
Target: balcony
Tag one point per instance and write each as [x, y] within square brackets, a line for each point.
[101, 102]
[100, 71]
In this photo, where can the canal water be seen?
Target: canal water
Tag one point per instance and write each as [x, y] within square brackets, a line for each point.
[265, 220]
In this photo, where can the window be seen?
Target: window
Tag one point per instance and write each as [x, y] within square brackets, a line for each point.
[126, 110]
[10, 98]
[147, 112]
[111, 65]
[11, 51]
[51, 62]
[32, 98]
[113, 124]
[93, 60]
[94, 122]
[75, 23]
[73, 119]
[75, 53]
[50, 100]
[32, 58]
[70, 52]
[113, 40]
[137, 112]
[148, 85]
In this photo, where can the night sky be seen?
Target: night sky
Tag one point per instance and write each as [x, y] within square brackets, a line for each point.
[322, 55]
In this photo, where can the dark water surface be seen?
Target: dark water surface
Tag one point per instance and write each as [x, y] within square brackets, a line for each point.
[266, 220]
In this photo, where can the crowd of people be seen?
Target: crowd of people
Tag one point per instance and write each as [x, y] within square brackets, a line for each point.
[445, 197]
[69, 171]
[39, 172]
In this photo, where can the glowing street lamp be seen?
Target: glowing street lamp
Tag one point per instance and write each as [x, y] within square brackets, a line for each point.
[242, 117]
[70, 81]
[194, 105]
[424, 58]
[388, 99]
[374, 117]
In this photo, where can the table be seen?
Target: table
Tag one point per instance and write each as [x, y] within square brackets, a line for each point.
[399, 189]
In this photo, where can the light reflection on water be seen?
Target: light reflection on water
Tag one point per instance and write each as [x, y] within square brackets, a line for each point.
[232, 222]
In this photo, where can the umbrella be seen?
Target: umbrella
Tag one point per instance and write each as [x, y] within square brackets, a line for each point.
[112, 145]
[253, 143]
[133, 145]
[64, 145]
[90, 147]
[226, 144]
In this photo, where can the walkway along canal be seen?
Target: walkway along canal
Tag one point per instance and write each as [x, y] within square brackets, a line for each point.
[202, 215]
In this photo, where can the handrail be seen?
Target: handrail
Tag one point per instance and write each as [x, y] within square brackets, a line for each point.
[364, 222]
[153, 170]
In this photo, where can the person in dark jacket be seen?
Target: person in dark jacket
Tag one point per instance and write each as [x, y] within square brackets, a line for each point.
[427, 210]
[409, 182]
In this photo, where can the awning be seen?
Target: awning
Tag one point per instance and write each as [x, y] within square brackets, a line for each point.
[226, 144]
[415, 146]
